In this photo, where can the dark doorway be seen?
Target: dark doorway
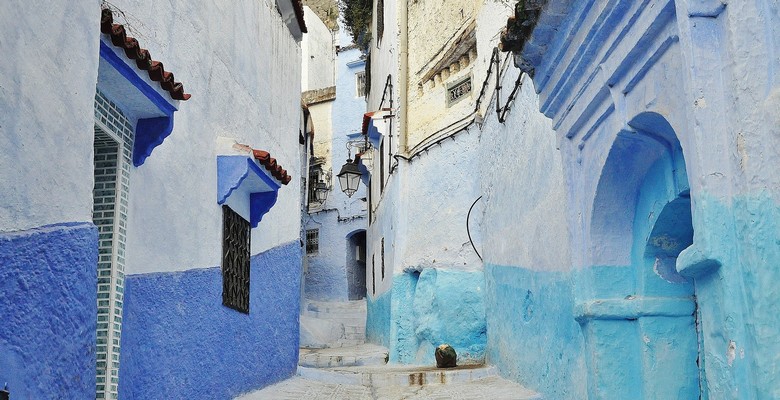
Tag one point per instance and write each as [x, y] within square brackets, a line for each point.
[356, 265]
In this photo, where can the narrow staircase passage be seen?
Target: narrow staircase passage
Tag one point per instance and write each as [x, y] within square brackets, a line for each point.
[336, 363]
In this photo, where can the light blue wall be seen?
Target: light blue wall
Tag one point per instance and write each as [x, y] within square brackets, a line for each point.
[48, 311]
[434, 307]
[179, 341]
[326, 276]
[612, 76]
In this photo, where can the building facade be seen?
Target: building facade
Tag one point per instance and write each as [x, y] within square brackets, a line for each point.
[129, 264]
[656, 289]
[430, 95]
[626, 220]
[334, 228]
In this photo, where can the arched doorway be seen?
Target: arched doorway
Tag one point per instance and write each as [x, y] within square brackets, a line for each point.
[638, 315]
[356, 264]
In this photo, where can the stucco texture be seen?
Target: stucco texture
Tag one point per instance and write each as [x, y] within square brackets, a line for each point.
[47, 92]
[48, 311]
[179, 341]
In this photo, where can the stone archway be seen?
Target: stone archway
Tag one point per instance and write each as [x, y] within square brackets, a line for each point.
[356, 265]
[637, 314]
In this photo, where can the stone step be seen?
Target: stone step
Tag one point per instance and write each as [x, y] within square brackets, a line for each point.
[330, 306]
[355, 318]
[397, 375]
[346, 356]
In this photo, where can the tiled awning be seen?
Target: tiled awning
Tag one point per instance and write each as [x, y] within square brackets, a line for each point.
[143, 60]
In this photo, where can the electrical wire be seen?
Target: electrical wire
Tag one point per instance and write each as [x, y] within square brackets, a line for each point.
[468, 231]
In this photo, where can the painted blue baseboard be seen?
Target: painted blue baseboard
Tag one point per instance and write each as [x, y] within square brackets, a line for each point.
[378, 319]
[180, 342]
[433, 307]
[48, 296]
[532, 335]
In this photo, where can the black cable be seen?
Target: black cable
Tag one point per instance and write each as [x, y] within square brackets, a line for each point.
[468, 231]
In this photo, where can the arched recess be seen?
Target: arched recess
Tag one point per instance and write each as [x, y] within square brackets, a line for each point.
[636, 312]
[356, 264]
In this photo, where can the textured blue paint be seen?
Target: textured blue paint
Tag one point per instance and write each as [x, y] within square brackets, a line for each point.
[532, 336]
[180, 342]
[48, 311]
[233, 171]
[435, 307]
[378, 319]
[150, 132]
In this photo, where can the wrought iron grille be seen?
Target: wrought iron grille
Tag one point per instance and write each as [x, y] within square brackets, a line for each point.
[236, 237]
[312, 241]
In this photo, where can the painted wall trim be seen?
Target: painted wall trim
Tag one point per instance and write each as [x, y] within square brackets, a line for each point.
[633, 308]
[240, 174]
[149, 132]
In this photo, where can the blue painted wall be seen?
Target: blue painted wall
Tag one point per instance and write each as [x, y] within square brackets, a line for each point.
[436, 306]
[533, 338]
[378, 319]
[48, 311]
[180, 342]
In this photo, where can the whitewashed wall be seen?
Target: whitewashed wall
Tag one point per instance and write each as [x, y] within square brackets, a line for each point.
[242, 67]
[317, 53]
[46, 113]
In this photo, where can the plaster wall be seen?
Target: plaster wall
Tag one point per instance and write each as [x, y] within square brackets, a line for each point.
[671, 69]
[322, 118]
[317, 53]
[531, 335]
[434, 30]
[48, 244]
[181, 343]
[46, 108]
[246, 90]
[340, 216]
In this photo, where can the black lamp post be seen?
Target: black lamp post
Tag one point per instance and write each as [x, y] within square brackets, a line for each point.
[349, 177]
[321, 190]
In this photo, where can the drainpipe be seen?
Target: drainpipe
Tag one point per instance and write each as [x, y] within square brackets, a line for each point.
[403, 77]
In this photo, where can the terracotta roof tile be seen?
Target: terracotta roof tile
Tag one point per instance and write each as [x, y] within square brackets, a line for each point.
[270, 164]
[143, 60]
[298, 7]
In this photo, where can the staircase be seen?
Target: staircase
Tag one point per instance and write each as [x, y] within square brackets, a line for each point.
[333, 334]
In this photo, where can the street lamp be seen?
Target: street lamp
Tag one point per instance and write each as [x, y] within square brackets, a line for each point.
[349, 177]
[321, 190]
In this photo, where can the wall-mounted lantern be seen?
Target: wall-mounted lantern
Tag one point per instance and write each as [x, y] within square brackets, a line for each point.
[321, 191]
[349, 177]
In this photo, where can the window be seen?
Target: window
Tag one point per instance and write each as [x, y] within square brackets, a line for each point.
[360, 84]
[373, 275]
[312, 241]
[236, 237]
[315, 174]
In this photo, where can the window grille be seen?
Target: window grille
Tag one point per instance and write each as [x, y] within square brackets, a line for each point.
[236, 238]
[315, 173]
[360, 82]
[312, 241]
[458, 91]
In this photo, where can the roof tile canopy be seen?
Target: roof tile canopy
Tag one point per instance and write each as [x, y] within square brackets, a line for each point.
[265, 159]
[141, 56]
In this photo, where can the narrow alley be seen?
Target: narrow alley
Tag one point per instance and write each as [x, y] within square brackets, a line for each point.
[382, 199]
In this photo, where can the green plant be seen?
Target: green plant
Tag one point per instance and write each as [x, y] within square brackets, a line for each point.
[356, 16]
